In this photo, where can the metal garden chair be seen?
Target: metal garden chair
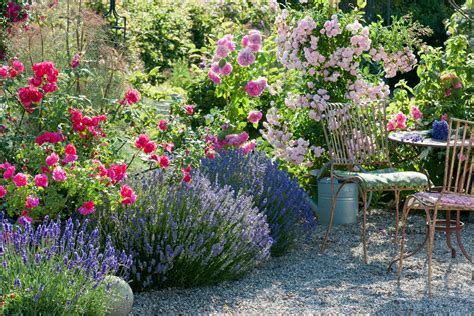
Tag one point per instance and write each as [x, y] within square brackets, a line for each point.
[457, 195]
[357, 137]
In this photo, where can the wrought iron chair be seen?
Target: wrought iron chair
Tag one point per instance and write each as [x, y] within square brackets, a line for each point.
[357, 137]
[456, 195]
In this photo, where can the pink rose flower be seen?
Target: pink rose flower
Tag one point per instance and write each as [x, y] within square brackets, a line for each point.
[4, 72]
[129, 197]
[52, 159]
[150, 147]
[50, 87]
[132, 96]
[164, 162]
[401, 120]
[255, 87]
[226, 70]
[87, 208]
[76, 61]
[254, 116]
[31, 201]
[141, 141]
[69, 158]
[59, 174]
[248, 147]
[70, 149]
[162, 125]
[18, 65]
[41, 180]
[20, 179]
[9, 170]
[189, 109]
[3, 191]
[447, 93]
[416, 113]
[245, 57]
[214, 77]
[391, 125]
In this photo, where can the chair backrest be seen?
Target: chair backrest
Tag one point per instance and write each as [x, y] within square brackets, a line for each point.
[356, 134]
[459, 166]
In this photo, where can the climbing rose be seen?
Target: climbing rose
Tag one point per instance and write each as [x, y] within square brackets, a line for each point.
[391, 125]
[189, 109]
[41, 180]
[87, 208]
[214, 77]
[20, 179]
[50, 87]
[401, 120]
[52, 159]
[255, 87]
[149, 147]
[18, 66]
[164, 162]
[28, 96]
[416, 113]
[132, 96]
[254, 116]
[9, 170]
[226, 70]
[76, 61]
[4, 72]
[70, 149]
[162, 125]
[3, 191]
[59, 174]
[49, 137]
[31, 201]
[117, 173]
[141, 141]
[245, 57]
[129, 197]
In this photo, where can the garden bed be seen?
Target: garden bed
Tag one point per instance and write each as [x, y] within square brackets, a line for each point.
[337, 281]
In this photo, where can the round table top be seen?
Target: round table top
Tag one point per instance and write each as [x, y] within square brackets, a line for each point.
[419, 138]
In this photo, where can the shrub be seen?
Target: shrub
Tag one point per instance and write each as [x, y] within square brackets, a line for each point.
[55, 269]
[278, 196]
[189, 234]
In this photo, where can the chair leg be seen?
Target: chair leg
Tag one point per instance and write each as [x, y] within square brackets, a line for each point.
[397, 208]
[364, 226]
[448, 234]
[406, 210]
[331, 218]
[430, 249]
[459, 240]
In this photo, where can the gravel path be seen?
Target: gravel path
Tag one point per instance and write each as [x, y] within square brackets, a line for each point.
[337, 281]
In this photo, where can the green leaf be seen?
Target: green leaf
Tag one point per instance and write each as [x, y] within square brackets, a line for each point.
[361, 3]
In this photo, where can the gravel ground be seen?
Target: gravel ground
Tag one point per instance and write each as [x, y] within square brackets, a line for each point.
[337, 281]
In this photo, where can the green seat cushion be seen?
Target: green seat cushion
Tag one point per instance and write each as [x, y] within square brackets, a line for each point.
[386, 179]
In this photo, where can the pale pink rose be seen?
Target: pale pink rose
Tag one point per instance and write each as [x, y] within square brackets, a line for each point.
[254, 116]
[214, 77]
[255, 87]
[401, 120]
[245, 57]
[416, 113]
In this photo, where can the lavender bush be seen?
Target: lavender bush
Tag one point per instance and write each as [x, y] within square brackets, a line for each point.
[55, 269]
[189, 234]
[276, 195]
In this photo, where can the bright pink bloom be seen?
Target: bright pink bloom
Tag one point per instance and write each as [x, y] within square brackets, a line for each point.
[245, 57]
[87, 208]
[141, 141]
[254, 116]
[248, 147]
[41, 180]
[391, 125]
[31, 201]
[187, 178]
[9, 170]
[162, 125]
[401, 120]
[20, 179]
[49, 137]
[150, 147]
[59, 174]
[70, 149]
[3, 191]
[47, 69]
[35, 81]
[255, 87]
[69, 158]
[132, 96]
[117, 173]
[18, 65]
[4, 72]
[129, 197]
[50, 87]
[214, 77]
[28, 96]
[416, 113]
[13, 73]
[52, 159]
[164, 161]
[167, 146]
[189, 109]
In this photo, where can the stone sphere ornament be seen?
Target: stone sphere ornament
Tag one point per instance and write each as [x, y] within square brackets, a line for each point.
[121, 297]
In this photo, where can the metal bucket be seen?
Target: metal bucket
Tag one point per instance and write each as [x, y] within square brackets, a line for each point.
[347, 203]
